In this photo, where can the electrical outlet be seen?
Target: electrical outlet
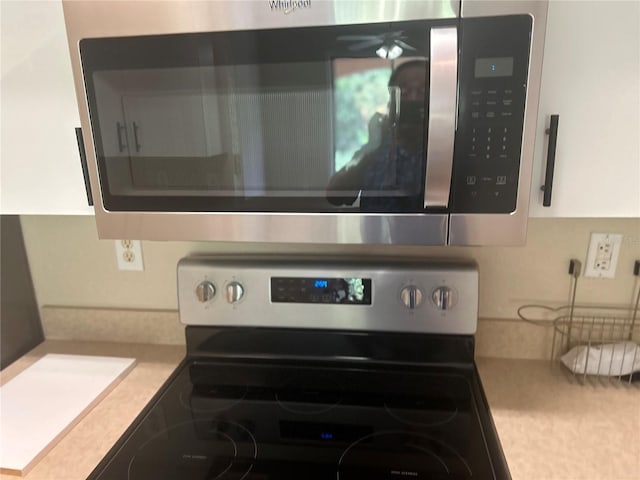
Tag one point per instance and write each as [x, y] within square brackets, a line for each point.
[129, 255]
[602, 257]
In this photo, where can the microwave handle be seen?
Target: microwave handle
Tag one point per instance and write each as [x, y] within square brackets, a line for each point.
[443, 81]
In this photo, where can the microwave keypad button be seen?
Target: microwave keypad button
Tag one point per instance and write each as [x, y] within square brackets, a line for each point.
[492, 92]
[491, 114]
[508, 92]
[476, 92]
[471, 180]
[501, 180]
[473, 144]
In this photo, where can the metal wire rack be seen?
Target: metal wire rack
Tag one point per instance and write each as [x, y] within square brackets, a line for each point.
[594, 343]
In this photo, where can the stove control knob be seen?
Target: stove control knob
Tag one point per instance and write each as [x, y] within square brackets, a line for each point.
[235, 292]
[411, 296]
[205, 291]
[444, 298]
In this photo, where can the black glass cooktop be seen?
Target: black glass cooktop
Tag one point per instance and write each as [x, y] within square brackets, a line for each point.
[264, 420]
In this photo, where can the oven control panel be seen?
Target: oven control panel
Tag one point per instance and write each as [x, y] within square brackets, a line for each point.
[368, 295]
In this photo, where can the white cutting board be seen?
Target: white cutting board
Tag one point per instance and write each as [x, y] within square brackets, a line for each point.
[42, 403]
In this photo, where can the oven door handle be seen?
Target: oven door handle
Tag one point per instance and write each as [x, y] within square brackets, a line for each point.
[443, 81]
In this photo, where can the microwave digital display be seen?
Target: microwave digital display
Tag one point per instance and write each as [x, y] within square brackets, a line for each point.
[494, 67]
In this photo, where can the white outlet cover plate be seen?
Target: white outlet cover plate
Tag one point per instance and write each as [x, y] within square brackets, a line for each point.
[615, 239]
[135, 249]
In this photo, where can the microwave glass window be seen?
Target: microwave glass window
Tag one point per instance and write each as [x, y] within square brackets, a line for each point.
[317, 119]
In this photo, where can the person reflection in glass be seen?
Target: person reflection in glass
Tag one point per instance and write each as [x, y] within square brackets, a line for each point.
[386, 173]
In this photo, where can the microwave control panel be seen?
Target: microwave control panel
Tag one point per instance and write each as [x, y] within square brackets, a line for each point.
[494, 63]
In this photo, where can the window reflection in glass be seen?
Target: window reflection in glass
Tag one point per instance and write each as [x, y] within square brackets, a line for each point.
[379, 145]
[360, 91]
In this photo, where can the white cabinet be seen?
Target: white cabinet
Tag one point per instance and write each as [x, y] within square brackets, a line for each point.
[160, 113]
[113, 128]
[166, 125]
[591, 78]
[39, 160]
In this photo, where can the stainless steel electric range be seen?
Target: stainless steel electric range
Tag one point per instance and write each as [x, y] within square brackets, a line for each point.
[314, 369]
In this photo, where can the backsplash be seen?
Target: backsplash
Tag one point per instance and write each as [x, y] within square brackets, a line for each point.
[494, 338]
[71, 267]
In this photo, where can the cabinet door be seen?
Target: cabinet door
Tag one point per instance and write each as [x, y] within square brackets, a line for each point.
[41, 171]
[166, 125]
[591, 79]
[113, 125]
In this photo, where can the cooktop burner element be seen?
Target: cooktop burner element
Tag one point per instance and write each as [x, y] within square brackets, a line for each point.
[220, 391]
[401, 454]
[418, 412]
[271, 402]
[198, 449]
[309, 395]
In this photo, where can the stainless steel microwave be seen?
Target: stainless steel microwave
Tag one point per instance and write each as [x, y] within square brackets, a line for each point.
[381, 122]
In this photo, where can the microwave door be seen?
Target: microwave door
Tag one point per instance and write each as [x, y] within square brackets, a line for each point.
[237, 135]
[246, 121]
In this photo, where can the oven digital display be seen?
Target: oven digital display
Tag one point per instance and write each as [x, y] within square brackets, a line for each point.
[347, 291]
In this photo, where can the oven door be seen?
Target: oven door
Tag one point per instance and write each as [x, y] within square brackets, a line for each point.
[317, 133]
